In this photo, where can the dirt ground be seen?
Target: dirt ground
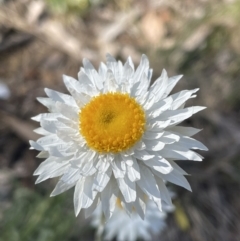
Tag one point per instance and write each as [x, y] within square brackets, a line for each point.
[42, 40]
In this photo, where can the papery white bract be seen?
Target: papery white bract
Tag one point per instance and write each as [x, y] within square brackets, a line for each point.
[126, 228]
[115, 136]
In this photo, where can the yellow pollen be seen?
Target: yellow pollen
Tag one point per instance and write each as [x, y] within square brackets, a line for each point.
[112, 122]
[118, 203]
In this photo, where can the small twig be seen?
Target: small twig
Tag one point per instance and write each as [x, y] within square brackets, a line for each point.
[51, 32]
[22, 128]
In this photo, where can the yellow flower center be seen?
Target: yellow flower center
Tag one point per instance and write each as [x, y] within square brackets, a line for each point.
[112, 122]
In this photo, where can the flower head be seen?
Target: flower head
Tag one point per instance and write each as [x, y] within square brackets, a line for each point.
[123, 227]
[116, 136]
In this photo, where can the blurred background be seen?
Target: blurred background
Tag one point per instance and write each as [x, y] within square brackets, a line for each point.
[41, 40]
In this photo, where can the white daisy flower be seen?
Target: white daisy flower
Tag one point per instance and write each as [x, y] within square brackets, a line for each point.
[123, 227]
[115, 136]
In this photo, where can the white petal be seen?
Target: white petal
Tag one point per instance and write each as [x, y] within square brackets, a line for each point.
[149, 102]
[89, 168]
[127, 159]
[49, 140]
[125, 87]
[46, 116]
[41, 131]
[88, 195]
[109, 198]
[147, 182]
[128, 189]
[102, 70]
[128, 207]
[177, 168]
[159, 164]
[142, 155]
[80, 98]
[129, 60]
[88, 211]
[142, 99]
[170, 85]
[154, 145]
[61, 187]
[87, 85]
[70, 82]
[150, 72]
[68, 111]
[152, 135]
[123, 165]
[127, 71]
[192, 143]
[117, 169]
[129, 152]
[156, 110]
[87, 64]
[102, 165]
[133, 171]
[143, 86]
[174, 177]
[134, 89]
[140, 145]
[185, 131]
[142, 68]
[140, 204]
[36, 146]
[43, 154]
[120, 68]
[50, 104]
[78, 196]
[158, 126]
[58, 170]
[71, 176]
[68, 122]
[49, 126]
[177, 116]
[110, 84]
[45, 165]
[57, 96]
[179, 153]
[159, 86]
[113, 65]
[92, 74]
[101, 179]
[169, 138]
[181, 97]
[57, 151]
[138, 208]
[163, 190]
